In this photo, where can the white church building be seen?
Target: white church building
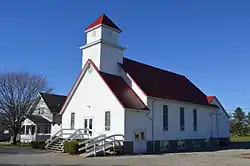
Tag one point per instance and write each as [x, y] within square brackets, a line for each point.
[154, 109]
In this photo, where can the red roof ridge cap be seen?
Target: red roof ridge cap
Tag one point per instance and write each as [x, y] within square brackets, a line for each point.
[210, 98]
[104, 20]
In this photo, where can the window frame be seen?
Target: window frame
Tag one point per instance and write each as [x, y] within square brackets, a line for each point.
[181, 144]
[163, 145]
[195, 121]
[195, 144]
[41, 110]
[107, 120]
[182, 119]
[90, 126]
[165, 118]
[139, 136]
[72, 120]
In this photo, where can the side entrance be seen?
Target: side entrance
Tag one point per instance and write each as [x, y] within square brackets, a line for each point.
[139, 141]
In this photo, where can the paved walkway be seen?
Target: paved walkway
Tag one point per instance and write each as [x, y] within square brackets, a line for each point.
[13, 156]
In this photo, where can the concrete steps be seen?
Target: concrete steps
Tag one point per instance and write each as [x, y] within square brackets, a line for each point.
[56, 147]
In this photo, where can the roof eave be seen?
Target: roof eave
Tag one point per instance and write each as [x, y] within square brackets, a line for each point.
[208, 105]
[102, 25]
[138, 110]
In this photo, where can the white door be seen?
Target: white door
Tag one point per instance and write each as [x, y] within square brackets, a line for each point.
[139, 142]
[88, 124]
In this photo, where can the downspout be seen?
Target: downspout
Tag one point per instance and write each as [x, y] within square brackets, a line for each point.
[211, 118]
[217, 124]
[152, 124]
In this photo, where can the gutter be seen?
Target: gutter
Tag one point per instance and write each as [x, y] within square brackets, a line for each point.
[152, 123]
[217, 123]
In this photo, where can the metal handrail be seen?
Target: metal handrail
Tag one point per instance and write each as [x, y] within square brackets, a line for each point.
[103, 147]
[48, 144]
[101, 140]
[50, 139]
[71, 135]
[60, 133]
[92, 140]
[105, 143]
[105, 138]
[55, 137]
[75, 135]
[99, 147]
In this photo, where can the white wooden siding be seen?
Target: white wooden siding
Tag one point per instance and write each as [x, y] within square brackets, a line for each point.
[110, 57]
[206, 122]
[223, 121]
[46, 112]
[135, 121]
[91, 99]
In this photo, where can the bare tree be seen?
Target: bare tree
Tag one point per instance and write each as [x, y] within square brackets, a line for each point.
[18, 98]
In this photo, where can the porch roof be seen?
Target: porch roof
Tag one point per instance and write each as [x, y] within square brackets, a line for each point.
[38, 119]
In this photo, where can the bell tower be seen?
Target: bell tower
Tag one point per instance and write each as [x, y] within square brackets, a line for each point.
[102, 45]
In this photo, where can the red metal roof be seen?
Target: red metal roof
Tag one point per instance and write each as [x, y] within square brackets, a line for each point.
[210, 98]
[105, 20]
[121, 90]
[127, 97]
[160, 83]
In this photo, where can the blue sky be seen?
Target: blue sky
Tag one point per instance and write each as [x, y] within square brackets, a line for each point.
[207, 41]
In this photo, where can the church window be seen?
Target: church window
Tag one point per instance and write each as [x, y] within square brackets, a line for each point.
[72, 120]
[107, 121]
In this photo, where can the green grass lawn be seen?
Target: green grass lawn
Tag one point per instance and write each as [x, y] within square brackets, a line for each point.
[240, 138]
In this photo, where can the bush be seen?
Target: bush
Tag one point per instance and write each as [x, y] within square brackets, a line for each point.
[37, 144]
[71, 147]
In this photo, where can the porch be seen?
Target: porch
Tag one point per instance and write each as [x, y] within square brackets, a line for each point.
[35, 128]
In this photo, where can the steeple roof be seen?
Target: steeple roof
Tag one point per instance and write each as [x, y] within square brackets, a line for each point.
[104, 20]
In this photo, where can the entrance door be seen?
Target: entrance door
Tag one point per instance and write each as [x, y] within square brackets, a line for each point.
[139, 142]
[88, 124]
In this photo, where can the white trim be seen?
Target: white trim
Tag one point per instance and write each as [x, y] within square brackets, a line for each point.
[131, 79]
[77, 83]
[183, 102]
[104, 42]
[223, 109]
[100, 25]
[137, 110]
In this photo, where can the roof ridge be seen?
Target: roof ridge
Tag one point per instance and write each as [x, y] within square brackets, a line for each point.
[53, 94]
[104, 20]
[157, 68]
[157, 82]
[110, 79]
